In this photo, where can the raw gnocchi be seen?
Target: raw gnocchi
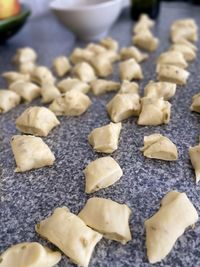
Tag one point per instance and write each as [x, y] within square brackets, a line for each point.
[163, 90]
[194, 153]
[154, 111]
[107, 217]
[70, 234]
[29, 255]
[133, 52]
[130, 70]
[25, 55]
[128, 87]
[195, 103]
[31, 152]
[37, 121]
[27, 90]
[101, 86]
[49, 92]
[85, 72]
[105, 139]
[72, 103]
[70, 84]
[146, 40]
[8, 100]
[42, 74]
[101, 173]
[168, 224]
[174, 58]
[13, 76]
[61, 65]
[157, 146]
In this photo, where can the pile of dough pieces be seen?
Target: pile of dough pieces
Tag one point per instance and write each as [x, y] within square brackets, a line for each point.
[87, 69]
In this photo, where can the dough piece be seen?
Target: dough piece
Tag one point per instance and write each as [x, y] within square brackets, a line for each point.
[29, 255]
[107, 217]
[157, 146]
[133, 52]
[105, 139]
[144, 22]
[110, 44]
[146, 40]
[80, 55]
[168, 224]
[163, 90]
[8, 100]
[188, 53]
[31, 152]
[70, 234]
[72, 103]
[49, 92]
[84, 72]
[184, 29]
[129, 88]
[27, 90]
[61, 66]
[173, 74]
[130, 70]
[187, 43]
[174, 58]
[25, 55]
[101, 86]
[70, 84]
[101, 173]
[13, 76]
[42, 75]
[123, 106]
[37, 121]
[27, 68]
[195, 103]
[194, 153]
[102, 65]
[96, 48]
[154, 111]
[111, 56]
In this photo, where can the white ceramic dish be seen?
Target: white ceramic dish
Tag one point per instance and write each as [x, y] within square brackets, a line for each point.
[88, 19]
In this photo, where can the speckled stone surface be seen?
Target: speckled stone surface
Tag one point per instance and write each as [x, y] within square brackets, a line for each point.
[29, 197]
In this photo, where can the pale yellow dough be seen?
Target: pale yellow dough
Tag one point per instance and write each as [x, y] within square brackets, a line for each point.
[101, 173]
[25, 55]
[168, 224]
[13, 76]
[61, 65]
[49, 92]
[128, 87]
[194, 153]
[29, 255]
[30, 152]
[27, 90]
[72, 103]
[105, 139]
[108, 217]
[157, 146]
[133, 52]
[130, 70]
[163, 90]
[8, 100]
[85, 72]
[145, 40]
[195, 103]
[41, 75]
[38, 121]
[70, 84]
[174, 58]
[101, 86]
[70, 234]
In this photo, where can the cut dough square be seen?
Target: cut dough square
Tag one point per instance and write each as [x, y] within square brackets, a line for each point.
[163, 90]
[157, 146]
[133, 52]
[29, 255]
[174, 74]
[105, 139]
[72, 103]
[25, 55]
[42, 74]
[70, 234]
[49, 92]
[96, 48]
[37, 121]
[101, 86]
[12, 76]
[144, 22]
[164, 228]
[73, 84]
[101, 173]
[27, 90]
[85, 72]
[194, 153]
[128, 87]
[102, 65]
[27, 68]
[174, 58]
[61, 66]
[31, 152]
[130, 70]
[110, 44]
[195, 103]
[154, 111]
[80, 55]
[107, 217]
[188, 53]
[146, 40]
[8, 100]
[123, 106]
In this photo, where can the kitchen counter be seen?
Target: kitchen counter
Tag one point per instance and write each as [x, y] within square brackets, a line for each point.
[26, 198]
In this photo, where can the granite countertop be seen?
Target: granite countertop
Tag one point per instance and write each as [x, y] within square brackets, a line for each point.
[26, 198]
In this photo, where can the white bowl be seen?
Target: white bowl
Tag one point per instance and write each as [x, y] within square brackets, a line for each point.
[88, 19]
